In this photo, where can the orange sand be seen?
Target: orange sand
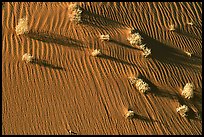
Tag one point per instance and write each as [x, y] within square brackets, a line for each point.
[72, 90]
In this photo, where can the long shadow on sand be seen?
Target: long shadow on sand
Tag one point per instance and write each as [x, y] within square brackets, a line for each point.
[121, 44]
[167, 54]
[143, 118]
[156, 91]
[55, 38]
[191, 113]
[180, 31]
[107, 57]
[96, 20]
[45, 63]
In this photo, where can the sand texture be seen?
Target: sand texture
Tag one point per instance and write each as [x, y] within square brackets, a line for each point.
[68, 91]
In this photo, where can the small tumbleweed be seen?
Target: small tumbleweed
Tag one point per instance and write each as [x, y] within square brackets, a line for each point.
[139, 84]
[75, 13]
[188, 90]
[146, 52]
[172, 27]
[96, 52]
[135, 39]
[188, 53]
[130, 114]
[105, 37]
[190, 23]
[182, 110]
[22, 26]
[71, 132]
[27, 58]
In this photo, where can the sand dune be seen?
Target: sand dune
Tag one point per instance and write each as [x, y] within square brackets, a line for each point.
[66, 89]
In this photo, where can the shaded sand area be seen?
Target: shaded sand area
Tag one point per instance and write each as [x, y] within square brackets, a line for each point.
[69, 90]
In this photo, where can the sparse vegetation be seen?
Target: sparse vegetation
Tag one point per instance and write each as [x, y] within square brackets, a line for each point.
[22, 26]
[142, 86]
[130, 114]
[190, 23]
[146, 52]
[27, 58]
[172, 27]
[96, 52]
[188, 90]
[135, 39]
[105, 37]
[188, 53]
[182, 110]
[75, 13]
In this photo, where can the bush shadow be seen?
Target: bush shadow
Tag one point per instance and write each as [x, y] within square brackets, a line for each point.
[156, 91]
[96, 20]
[140, 117]
[167, 54]
[191, 114]
[55, 38]
[45, 63]
[121, 44]
[184, 33]
[107, 57]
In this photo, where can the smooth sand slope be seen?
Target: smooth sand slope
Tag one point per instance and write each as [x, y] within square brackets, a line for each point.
[69, 90]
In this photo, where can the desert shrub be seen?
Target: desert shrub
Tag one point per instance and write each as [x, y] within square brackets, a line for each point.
[75, 13]
[27, 58]
[172, 27]
[188, 90]
[142, 86]
[105, 37]
[135, 39]
[130, 114]
[182, 110]
[22, 26]
[96, 52]
[146, 52]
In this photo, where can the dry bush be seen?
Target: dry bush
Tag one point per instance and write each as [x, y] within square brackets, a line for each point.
[172, 27]
[96, 52]
[135, 39]
[130, 114]
[146, 52]
[182, 110]
[190, 23]
[22, 26]
[105, 37]
[188, 53]
[27, 58]
[188, 90]
[75, 13]
[142, 86]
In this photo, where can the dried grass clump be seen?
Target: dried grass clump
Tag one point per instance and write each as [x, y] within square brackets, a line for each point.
[105, 37]
[22, 26]
[182, 110]
[190, 23]
[172, 27]
[27, 58]
[188, 53]
[130, 114]
[188, 90]
[146, 52]
[142, 86]
[96, 52]
[75, 13]
[135, 39]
